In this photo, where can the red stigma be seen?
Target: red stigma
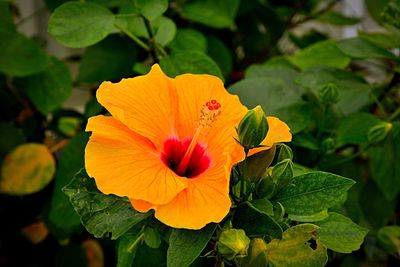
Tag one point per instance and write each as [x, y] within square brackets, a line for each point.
[213, 105]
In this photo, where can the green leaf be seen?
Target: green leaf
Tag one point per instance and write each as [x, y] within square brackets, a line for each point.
[152, 9]
[388, 40]
[294, 250]
[158, 256]
[217, 14]
[102, 215]
[297, 116]
[273, 88]
[269, 92]
[92, 108]
[27, 169]
[353, 90]
[189, 62]
[186, 245]
[221, 54]
[340, 234]
[11, 137]
[256, 222]
[362, 49]
[20, 55]
[126, 247]
[286, 74]
[354, 128]
[389, 238]
[69, 125]
[257, 164]
[132, 23]
[336, 18]
[263, 205]
[313, 192]
[48, 89]
[6, 20]
[325, 53]
[384, 165]
[152, 237]
[306, 140]
[95, 65]
[61, 218]
[319, 216]
[377, 210]
[80, 24]
[188, 40]
[391, 13]
[375, 8]
[165, 30]
[307, 39]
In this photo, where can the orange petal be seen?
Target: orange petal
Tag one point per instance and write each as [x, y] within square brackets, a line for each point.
[146, 104]
[193, 92]
[141, 205]
[278, 132]
[205, 200]
[126, 164]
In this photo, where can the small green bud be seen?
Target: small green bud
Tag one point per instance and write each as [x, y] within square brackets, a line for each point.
[389, 239]
[379, 132]
[285, 152]
[328, 145]
[257, 255]
[265, 187]
[233, 243]
[282, 173]
[329, 94]
[253, 128]
[279, 211]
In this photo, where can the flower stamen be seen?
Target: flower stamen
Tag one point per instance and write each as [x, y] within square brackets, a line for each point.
[208, 114]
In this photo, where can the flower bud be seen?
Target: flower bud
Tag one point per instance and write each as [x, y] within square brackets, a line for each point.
[328, 145]
[279, 211]
[282, 173]
[257, 254]
[329, 94]
[233, 243]
[253, 128]
[285, 152]
[379, 132]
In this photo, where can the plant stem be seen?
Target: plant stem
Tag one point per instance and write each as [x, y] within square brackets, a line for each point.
[134, 38]
[58, 146]
[394, 114]
[344, 160]
[243, 174]
[152, 42]
[134, 244]
[311, 16]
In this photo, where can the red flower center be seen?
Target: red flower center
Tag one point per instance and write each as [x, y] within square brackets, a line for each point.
[190, 166]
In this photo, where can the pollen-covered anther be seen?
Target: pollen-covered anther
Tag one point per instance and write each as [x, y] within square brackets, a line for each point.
[209, 112]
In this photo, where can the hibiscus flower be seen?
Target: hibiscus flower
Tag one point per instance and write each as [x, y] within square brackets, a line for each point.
[169, 145]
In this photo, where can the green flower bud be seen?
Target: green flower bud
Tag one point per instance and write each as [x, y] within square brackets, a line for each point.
[233, 243]
[379, 132]
[389, 239]
[253, 128]
[329, 94]
[285, 152]
[328, 145]
[282, 173]
[257, 255]
[279, 211]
